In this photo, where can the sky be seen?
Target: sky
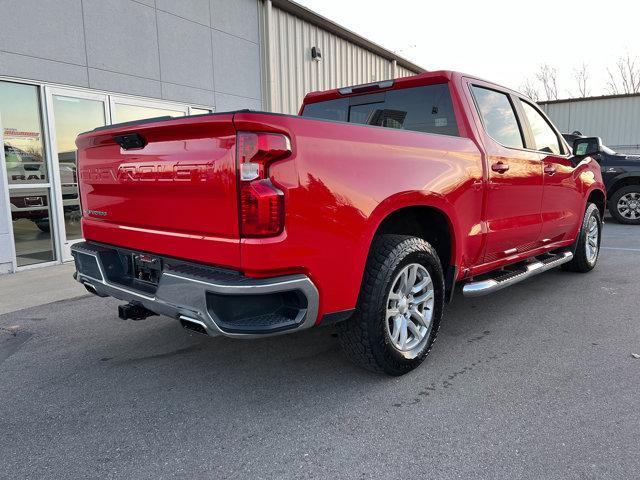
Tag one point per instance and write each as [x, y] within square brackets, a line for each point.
[505, 42]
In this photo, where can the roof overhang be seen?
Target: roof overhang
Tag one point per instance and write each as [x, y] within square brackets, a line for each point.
[312, 17]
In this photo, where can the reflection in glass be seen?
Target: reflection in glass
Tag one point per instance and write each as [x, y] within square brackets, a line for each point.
[130, 113]
[30, 212]
[544, 136]
[73, 116]
[23, 147]
[498, 117]
[425, 109]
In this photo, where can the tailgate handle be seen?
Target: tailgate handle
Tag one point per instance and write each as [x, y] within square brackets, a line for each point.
[130, 141]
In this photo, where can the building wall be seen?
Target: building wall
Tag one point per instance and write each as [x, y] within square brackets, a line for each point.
[615, 119]
[203, 52]
[293, 72]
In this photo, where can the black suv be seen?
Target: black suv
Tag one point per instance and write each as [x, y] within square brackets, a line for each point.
[621, 175]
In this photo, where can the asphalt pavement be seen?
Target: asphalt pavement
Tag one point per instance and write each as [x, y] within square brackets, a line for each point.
[537, 381]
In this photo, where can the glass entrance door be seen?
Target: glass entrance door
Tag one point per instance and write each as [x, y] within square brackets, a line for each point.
[71, 113]
[28, 174]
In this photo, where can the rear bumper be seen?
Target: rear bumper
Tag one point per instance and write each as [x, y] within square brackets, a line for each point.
[223, 301]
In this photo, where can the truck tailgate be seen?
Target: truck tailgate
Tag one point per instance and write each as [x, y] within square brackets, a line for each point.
[166, 187]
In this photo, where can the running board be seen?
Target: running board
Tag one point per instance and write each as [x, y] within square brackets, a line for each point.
[490, 285]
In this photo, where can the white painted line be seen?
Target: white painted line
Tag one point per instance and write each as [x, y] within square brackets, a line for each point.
[621, 248]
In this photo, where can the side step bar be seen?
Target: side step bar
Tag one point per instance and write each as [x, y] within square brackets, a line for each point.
[490, 285]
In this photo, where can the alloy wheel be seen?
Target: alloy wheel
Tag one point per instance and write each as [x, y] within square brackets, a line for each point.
[629, 206]
[593, 239]
[409, 309]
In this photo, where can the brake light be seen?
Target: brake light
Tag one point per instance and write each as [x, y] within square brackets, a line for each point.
[261, 203]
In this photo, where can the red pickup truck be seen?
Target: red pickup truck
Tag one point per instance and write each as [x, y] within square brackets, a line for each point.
[365, 211]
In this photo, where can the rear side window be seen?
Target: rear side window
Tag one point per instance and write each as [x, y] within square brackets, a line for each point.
[498, 117]
[425, 109]
[544, 136]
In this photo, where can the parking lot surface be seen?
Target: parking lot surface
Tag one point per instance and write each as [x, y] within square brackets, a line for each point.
[536, 381]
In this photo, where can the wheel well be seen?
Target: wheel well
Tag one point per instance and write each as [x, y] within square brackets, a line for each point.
[597, 197]
[427, 223]
[623, 182]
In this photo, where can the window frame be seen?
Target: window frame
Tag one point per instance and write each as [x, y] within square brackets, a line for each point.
[49, 185]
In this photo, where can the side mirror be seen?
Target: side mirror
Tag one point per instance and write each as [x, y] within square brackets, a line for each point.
[584, 147]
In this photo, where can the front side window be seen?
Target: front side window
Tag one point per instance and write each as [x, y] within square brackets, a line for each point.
[427, 109]
[545, 138]
[498, 117]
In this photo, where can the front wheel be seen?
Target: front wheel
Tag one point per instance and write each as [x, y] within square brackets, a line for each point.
[399, 308]
[624, 205]
[587, 248]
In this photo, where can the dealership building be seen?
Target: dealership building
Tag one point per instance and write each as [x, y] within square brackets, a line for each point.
[73, 65]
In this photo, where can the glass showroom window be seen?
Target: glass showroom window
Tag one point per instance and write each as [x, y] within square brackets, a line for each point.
[129, 110]
[73, 113]
[27, 172]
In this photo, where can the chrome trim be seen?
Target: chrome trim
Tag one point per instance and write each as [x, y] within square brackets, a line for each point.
[484, 287]
[193, 320]
[182, 296]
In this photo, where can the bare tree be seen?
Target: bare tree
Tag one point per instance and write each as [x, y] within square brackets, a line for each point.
[581, 74]
[548, 77]
[625, 77]
[530, 90]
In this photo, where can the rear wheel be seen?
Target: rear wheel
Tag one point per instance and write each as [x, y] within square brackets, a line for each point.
[399, 307]
[624, 205]
[587, 248]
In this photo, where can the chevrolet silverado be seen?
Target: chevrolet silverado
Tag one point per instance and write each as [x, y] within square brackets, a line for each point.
[364, 211]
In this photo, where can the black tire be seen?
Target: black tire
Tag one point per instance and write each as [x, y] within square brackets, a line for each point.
[364, 337]
[613, 204]
[581, 262]
[43, 225]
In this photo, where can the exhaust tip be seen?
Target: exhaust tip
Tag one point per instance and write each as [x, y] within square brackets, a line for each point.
[193, 325]
[92, 289]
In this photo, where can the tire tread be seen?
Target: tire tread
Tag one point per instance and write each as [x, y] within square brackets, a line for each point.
[355, 335]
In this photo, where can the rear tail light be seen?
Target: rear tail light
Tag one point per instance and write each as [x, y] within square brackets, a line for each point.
[261, 203]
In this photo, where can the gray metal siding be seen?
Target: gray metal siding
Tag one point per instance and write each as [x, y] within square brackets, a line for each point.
[191, 51]
[615, 120]
[295, 73]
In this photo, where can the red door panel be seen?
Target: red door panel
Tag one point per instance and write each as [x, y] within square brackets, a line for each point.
[562, 201]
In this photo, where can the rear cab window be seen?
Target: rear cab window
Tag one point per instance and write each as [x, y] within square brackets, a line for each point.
[426, 109]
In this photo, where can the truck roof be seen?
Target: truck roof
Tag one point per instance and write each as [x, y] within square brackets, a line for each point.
[425, 78]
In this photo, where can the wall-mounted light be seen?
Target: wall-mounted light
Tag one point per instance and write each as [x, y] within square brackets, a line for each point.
[316, 54]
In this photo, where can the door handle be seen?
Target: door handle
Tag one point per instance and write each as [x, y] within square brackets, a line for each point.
[500, 167]
[549, 169]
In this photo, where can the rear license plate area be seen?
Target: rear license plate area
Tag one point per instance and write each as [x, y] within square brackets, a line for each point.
[147, 268]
